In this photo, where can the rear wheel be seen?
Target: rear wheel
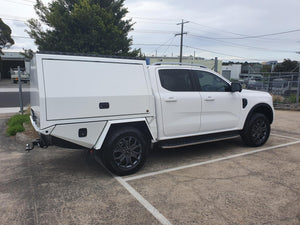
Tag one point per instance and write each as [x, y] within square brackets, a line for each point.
[257, 130]
[125, 151]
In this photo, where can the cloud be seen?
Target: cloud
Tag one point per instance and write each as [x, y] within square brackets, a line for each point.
[156, 24]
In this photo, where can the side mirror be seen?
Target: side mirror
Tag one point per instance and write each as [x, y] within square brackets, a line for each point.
[236, 86]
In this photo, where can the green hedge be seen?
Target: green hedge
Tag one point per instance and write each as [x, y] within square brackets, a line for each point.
[15, 124]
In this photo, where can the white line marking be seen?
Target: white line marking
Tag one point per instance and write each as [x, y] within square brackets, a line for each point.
[143, 201]
[208, 162]
[278, 135]
[163, 220]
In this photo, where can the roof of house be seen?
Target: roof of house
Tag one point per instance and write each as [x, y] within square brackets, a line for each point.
[12, 56]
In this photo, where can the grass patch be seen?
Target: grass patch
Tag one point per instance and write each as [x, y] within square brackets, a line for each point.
[15, 124]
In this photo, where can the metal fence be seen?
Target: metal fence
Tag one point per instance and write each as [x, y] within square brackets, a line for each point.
[284, 87]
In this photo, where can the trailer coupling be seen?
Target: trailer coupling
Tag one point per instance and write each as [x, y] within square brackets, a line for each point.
[38, 142]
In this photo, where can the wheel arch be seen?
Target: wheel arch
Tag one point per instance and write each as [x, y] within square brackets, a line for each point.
[111, 126]
[262, 108]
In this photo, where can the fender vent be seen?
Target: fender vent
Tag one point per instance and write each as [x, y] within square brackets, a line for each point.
[245, 102]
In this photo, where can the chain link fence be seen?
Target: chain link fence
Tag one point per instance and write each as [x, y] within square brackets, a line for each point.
[284, 87]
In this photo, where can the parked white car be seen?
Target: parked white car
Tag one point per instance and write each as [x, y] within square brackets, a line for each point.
[120, 107]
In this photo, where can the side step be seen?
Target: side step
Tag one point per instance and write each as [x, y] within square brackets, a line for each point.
[194, 140]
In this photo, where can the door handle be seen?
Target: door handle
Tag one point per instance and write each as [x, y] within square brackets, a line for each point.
[171, 99]
[209, 99]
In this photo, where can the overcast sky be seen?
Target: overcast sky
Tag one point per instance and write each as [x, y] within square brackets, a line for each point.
[230, 30]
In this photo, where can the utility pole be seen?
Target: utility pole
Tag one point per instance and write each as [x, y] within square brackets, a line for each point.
[20, 90]
[181, 34]
[216, 64]
[298, 86]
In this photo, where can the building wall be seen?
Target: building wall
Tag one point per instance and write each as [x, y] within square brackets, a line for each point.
[234, 70]
[251, 68]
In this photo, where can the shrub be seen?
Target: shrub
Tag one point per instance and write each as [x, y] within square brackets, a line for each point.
[12, 130]
[278, 99]
[291, 99]
[15, 124]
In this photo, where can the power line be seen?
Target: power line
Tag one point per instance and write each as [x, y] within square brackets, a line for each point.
[154, 31]
[152, 19]
[19, 3]
[15, 18]
[169, 45]
[263, 35]
[225, 31]
[234, 33]
[204, 50]
[28, 1]
[165, 23]
[242, 46]
[216, 39]
[171, 39]
[220, 53]
[15, 36]
[242, 36]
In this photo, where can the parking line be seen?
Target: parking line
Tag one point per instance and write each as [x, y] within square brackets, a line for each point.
[208, 162]
[143, 201]
[163, 220]
[293, 138]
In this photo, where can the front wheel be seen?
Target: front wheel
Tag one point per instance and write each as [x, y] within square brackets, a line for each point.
[257, 130]
[125, 151]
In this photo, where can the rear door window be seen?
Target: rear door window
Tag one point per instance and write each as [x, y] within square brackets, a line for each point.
[176, 79]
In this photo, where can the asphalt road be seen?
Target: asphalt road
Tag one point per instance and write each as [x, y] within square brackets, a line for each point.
[11, 99]
[214, 183]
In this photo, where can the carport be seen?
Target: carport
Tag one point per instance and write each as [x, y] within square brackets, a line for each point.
[10, 60]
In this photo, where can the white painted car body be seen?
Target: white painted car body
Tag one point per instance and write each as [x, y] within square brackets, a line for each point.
[67, 92]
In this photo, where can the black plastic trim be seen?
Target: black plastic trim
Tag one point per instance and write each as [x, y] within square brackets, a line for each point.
[256, 107]
[198, 139]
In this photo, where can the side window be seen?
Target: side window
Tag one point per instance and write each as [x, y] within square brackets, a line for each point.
[175, 79]
[211, 83]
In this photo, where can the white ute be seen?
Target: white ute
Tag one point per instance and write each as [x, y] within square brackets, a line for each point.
[120, 107]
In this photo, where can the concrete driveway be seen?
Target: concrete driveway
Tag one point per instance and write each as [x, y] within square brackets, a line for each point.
[216, 183]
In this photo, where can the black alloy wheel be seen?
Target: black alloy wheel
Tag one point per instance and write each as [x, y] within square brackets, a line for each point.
[256, 131]
[259, 131]
[125, 151]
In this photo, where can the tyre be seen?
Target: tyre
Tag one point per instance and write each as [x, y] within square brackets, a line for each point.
[125, 151]
[257, 130]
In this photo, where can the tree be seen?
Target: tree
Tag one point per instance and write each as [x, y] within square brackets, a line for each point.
[287, 66]
[5, 36]
[82, 26]
[28, 53]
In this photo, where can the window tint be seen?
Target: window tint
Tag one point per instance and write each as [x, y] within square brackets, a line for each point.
[211, 83]
[176, 80]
